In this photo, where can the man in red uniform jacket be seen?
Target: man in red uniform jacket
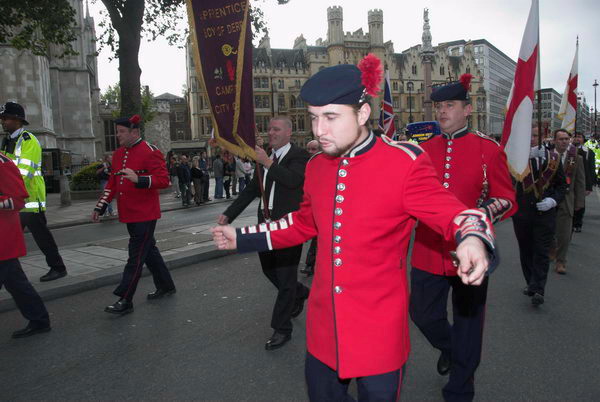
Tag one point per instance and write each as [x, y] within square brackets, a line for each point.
[12, 246]
[473, 167]
[357, 325]
[138, 172]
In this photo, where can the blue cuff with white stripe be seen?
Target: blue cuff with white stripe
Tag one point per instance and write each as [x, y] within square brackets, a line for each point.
[251, 241]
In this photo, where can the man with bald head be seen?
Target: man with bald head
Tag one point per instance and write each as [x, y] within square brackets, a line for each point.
[283, 181]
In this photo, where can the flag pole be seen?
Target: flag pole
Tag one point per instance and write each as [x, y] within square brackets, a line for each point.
[576, 97]
[539, 84]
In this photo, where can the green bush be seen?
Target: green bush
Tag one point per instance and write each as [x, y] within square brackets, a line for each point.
[86, 178]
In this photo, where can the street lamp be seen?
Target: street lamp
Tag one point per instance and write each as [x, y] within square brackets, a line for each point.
[410, 102]
[595, 85]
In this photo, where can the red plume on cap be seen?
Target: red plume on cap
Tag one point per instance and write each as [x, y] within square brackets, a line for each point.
[371, 73]
[135, 119]
[465, 80]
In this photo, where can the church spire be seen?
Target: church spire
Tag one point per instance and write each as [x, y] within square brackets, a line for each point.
[426, 37]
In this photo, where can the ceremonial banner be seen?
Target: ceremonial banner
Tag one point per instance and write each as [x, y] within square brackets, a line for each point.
[386, 117]
[516, 132]
[568, 105]
[222, 39]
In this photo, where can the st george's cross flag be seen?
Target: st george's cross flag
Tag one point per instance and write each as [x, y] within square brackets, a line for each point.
[516, 132]
[386, 117]
[568, 105]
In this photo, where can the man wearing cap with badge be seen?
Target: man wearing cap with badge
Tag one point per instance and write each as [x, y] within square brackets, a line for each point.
[473, 167]
[357, 324]
[138, 173]
[26, 152]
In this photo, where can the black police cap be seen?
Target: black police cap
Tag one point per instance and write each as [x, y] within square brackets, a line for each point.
[14, 110]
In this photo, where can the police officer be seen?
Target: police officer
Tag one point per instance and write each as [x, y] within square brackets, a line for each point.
[139, 171]
[26, 152]
[12, 246]
[473, 167]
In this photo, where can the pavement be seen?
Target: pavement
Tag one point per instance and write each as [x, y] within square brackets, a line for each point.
[100, 262]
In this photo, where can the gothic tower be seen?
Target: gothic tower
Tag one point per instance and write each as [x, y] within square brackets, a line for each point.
[335, 35]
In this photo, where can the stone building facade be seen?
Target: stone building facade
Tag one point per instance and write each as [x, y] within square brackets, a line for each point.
[280, 73]
[60, 96]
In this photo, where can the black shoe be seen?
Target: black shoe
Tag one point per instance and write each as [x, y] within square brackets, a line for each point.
[121, 307]
[277, 340]
[308, 270]
[537, 299]
[527, 292]
[299, 306]
[443, 364]
[160, 293]
[31, 329]
[577, 229]
[53, 275]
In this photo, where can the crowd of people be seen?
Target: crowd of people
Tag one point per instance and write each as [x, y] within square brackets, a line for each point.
[362, 293]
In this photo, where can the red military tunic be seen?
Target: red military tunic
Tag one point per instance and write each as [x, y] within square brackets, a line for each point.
[357, 319]
[137, 202]
[12, 199]
[459, 160]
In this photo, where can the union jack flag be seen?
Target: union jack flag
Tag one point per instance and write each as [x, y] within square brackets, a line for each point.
[386, 117]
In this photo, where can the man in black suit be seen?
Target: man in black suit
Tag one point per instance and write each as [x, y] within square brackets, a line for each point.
[589, 161]
[283, 181]
[538, 195]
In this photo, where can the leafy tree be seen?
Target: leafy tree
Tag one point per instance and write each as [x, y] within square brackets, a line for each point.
[112, 96]
[127, 21]
[37, 24]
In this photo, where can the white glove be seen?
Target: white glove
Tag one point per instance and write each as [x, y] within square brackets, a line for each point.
[546, 204]
[536, 152]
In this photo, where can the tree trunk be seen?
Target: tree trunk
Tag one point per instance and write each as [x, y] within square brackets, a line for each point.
[129, 30]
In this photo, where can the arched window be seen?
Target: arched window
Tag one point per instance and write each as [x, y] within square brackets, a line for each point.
[414, 69]
[442, 70]
[292, 102]
[468, 70]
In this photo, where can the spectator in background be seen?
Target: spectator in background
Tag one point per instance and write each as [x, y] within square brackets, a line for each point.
[203, 164]
[228, 173]
[103, 173]
[173, 175]
[197, 180]
[185, 180]
[240, 174]
[218, 171]
[248, 170]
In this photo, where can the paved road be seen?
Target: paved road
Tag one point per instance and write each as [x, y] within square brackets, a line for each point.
[82, 234]
[206, 342]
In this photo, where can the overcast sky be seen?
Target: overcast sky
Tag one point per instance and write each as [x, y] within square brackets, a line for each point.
[501, 22]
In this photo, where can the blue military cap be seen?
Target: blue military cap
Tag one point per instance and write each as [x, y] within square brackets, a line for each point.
[458, 90]
[129, 122]
[344, 84]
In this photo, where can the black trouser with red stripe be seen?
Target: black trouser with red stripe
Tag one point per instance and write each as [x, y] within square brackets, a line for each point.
[463, 339]
[142, 249]
[325, 385]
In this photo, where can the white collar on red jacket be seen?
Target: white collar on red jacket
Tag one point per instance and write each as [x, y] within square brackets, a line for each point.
[363, 146]
[457, 134]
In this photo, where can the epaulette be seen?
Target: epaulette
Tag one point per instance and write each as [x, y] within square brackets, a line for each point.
[485, 136]
[312, 156]
[26, 135]
[152, 147]
[410, 149]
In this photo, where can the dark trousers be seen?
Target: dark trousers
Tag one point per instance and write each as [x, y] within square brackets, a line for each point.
[325, 385]
[578, 218]
[281, 268]
[142, 249]
[186, 193]
[463, 339]
[205, 185]
[37, 225]
[226, 186]
[311, 254]
[26, 298]
[535, 236]
[198, 190]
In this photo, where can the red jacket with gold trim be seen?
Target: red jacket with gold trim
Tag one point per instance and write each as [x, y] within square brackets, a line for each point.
[357, 320]
[463, 162]
[12, 199]
[137, 202]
